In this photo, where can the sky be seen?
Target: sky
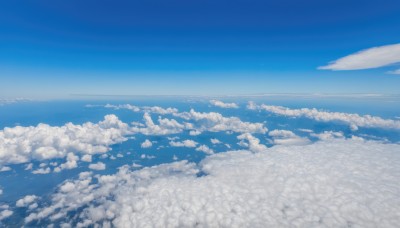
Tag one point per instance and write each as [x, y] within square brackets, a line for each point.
[56, 49]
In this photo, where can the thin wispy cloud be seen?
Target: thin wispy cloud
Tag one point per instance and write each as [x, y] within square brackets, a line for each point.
[367, 59]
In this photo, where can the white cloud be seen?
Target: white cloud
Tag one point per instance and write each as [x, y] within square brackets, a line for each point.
[12, 101]
[215, 122]
[353, 120]
[184, 143]
[97, 166]
[205, 149]
[123, 106]
[285, 137]
[160, 110]
[23, 144]
[370, 58]
[328, 135]
[165, 127]
[223, 105]
[326, 184]
[253, 143]
[42, 171]
[86, 158]
[5, 169]
[394, 71]
[215, 141]
[194, 132]
[26, 201]
[5, 214]
[146, 144]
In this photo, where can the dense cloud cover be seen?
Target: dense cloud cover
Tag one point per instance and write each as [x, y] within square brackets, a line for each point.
[333, 183]
[41, 142]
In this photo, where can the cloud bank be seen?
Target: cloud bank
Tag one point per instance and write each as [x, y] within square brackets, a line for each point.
[336, 183]
[353, 120]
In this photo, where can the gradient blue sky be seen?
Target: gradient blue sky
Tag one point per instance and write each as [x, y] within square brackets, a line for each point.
[51, 49]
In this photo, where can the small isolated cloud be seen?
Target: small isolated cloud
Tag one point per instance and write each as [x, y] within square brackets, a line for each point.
[215, 141]
[205, 149]
[146, 144]
[223, 105]
[97, 166]
[366, 59]
[184, 143]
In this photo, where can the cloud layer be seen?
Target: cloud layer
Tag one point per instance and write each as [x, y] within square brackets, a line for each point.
[353, 120]
[333, 183]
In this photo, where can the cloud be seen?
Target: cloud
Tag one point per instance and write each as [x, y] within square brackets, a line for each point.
[184, 143]
[215, 122]
[153, 109]
[160, 110]
[353, 120]
[285, 137]
[165, 127]
[325, 184]
[253, 143]
[394, 72]
[205, 149]
[215, 141]
[26, 201]
[97, 166]
[23, 144]
[146, 144]
[366, 59]
[5, 212]
[223, 105]
[122, 106]
[12, 101]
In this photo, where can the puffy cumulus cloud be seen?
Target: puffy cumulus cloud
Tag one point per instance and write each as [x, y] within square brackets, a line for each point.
[205, 149]
[86, 158]
[370, 58]
[215, 141]
[194, 132]
[123, 106]
[22, 144]
[165, 126]
[214, 122]
[223, 105]
[353, 120]
[146, 144]
[42, 171]
[252, 143]
[160, 110]
[26, 201]
[335, 183]
[184, 143]
[285, 137]
[5, 212]
[97, 166]
[70, 163]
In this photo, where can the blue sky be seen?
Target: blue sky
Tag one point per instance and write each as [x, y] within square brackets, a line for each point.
[51, 49]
